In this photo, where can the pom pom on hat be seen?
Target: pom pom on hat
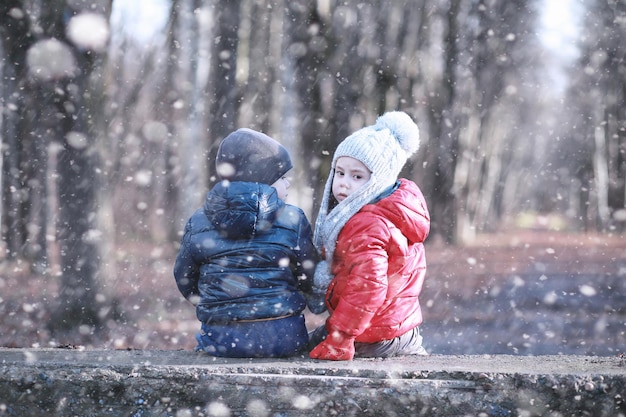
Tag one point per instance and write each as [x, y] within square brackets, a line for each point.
[402, 128]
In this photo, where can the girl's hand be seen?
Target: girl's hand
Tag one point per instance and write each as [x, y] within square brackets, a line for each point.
[338, 346]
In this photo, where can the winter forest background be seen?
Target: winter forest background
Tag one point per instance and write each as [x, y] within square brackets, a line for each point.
[111, 111]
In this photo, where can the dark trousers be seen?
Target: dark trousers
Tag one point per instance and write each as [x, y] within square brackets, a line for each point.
[409, 343]
[254, 339]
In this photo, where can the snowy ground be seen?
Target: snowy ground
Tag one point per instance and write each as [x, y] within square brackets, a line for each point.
[524, 293]
[528, 294]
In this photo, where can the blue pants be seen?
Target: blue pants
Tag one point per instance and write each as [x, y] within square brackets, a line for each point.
[257, 339]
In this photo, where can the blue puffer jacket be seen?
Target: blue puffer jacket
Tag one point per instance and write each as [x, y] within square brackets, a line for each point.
[245, 255]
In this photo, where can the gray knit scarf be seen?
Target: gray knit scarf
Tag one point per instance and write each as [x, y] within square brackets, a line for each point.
[329, 224]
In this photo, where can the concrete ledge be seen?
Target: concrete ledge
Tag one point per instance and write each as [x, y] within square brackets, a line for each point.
[67, 382]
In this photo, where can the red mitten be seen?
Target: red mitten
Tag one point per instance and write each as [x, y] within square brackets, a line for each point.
[338, 346]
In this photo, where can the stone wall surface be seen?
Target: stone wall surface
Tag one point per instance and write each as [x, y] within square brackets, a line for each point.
[66, 382]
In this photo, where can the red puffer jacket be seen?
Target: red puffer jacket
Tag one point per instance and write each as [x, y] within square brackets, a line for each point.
[379, 266]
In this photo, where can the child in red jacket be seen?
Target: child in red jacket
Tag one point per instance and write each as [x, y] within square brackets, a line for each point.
[371, 228]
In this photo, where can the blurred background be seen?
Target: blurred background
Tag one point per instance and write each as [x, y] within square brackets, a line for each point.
[111, 112]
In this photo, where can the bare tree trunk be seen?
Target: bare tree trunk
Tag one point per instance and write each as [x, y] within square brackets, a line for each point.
[222, 86]
[304, 81]
[83, 304]
[256, 65]
[188, 78]
[601, 177]
[444, 202]
[42, 120]
[16, 39]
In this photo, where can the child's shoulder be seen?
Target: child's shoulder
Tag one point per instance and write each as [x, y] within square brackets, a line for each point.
[289, 210]
[291, 215]
[198, 221]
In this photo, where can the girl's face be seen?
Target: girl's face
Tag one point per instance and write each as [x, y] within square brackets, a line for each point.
[282, 185]
[350, 175]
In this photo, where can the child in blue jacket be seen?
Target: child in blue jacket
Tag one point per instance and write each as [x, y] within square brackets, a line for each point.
[246, 257]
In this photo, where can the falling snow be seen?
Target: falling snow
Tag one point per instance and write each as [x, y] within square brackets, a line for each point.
[89, 31]
[50, 59]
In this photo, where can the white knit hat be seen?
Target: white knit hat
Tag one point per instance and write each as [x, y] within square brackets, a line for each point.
[384, 149]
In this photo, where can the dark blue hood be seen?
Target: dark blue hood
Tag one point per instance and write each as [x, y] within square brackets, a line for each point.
[240, 210]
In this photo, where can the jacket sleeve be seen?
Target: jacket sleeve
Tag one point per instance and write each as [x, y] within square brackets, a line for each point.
[186, 271]
[365, 283]
[306, 256]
